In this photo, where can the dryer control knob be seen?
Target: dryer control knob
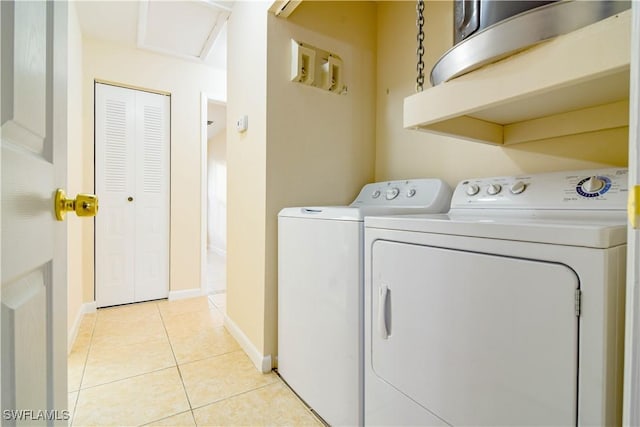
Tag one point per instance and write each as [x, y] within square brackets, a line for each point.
[472, 189]
[392, 193]
[494, 189]
[518, 187]
[375, 194]
[593, 185]
[411, 192]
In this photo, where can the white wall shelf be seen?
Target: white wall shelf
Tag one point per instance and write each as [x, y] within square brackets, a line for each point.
[574, 83]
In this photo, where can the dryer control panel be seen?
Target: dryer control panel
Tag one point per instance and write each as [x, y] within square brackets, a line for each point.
[593, 189]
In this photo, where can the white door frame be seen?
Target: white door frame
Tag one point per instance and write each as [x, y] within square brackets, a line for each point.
[631, 415]
[205, 99]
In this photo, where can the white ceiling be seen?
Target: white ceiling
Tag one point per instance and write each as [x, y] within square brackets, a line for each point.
[194, 30]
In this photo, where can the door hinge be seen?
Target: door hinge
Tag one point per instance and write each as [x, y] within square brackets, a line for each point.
[578, 301]
[633, 208]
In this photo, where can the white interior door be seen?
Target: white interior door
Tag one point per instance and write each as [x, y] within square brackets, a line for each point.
[132, 181]
[33, 293]
[632, 344]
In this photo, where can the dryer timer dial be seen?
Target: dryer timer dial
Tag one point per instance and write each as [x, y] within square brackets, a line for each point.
[592, 185]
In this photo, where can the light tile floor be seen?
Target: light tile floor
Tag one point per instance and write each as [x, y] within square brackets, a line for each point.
[216, 273]
[172, 363]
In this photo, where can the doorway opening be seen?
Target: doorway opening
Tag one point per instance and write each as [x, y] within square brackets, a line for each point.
[214, 201]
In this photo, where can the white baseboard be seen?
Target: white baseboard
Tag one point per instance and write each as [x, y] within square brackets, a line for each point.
[261, 362]
[185, 293]
[87, 307]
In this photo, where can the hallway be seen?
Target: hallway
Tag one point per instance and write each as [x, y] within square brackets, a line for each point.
[216, 273]
[171, 363]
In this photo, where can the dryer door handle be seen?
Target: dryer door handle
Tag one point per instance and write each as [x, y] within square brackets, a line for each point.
[383, 293]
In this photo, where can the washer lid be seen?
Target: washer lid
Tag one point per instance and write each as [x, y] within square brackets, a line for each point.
[347, 213]
[343, 213]
[577, 229]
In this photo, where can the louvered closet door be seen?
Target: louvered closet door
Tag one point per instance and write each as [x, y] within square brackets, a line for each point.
[152, 197]
[132, 181]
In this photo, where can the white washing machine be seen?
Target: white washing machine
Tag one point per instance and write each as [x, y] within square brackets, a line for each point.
[320, 292]
[507, 311]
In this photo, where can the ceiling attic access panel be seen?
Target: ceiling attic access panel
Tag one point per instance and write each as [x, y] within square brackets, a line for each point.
[575, 83]
[185, 29]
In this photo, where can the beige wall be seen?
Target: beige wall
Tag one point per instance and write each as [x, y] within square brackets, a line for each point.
[303, 146]
[217, 192]
[404, 153]
[75, 172]
[320, 145]
[246, 168]
[185, 81]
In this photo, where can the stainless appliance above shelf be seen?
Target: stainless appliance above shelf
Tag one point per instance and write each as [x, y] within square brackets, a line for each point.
[517, 32]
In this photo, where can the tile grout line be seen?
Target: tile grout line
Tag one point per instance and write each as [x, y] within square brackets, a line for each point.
[278, 380]
[184, 387]
[115, 346]
[130, 376]
[84, 367]
[235, 395]
[164, 418]
[210, 357]
[164, 327]
[178, 365]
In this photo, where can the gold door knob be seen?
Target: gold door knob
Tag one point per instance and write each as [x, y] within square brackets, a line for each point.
[83, 204]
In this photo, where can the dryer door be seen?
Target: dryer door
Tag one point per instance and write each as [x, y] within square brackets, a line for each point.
[476, 339]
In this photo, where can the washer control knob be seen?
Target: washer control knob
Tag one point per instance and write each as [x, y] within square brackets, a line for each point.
[472, 190]
[392, 193]
[375, 194]
[494, 189]
[411, 192]
[518, 187]
[592, 185]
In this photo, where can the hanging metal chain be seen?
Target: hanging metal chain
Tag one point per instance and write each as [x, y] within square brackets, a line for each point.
[420, 50]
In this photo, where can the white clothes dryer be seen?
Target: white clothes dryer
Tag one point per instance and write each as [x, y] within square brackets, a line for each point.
[508, 310]
[320, 292]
